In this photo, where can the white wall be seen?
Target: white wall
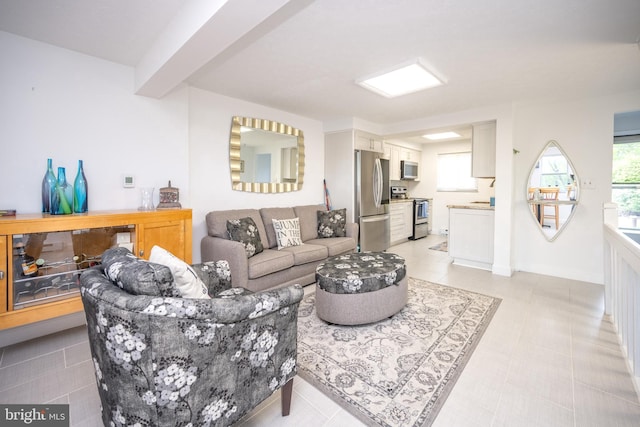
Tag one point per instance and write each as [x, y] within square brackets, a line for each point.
[68, 106]
[584, 130]
[209, 126]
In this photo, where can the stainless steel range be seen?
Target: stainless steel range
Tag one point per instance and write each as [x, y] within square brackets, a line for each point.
[421, 218]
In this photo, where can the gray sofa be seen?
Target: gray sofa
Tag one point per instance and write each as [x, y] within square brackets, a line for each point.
[273, 268]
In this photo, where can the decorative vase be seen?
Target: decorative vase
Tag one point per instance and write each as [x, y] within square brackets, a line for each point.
[146, 195]
[62, 196]
[80, 191]
[48, 185]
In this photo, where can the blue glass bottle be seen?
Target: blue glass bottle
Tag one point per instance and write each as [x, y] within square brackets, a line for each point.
[62, 197]
[80, 191]
[48, 185]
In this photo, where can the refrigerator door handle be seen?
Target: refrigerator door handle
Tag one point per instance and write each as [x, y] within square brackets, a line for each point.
[377, 183]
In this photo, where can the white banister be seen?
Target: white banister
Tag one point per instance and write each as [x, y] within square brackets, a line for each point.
[622, 289]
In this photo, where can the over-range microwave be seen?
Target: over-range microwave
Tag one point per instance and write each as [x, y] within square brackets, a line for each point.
[408, 170]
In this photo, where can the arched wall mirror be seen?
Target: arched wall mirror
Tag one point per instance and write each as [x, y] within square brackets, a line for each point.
[553, 191]
[265, 156]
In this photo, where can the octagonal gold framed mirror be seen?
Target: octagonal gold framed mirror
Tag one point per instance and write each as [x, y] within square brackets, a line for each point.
[265, 156]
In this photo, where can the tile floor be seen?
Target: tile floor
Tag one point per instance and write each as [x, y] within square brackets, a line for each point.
[549, 358]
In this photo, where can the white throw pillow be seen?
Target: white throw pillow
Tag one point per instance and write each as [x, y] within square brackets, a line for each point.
[287, 232]
[187, 281]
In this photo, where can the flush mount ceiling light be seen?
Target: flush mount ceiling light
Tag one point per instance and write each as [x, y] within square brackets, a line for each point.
[401, 80]
[441, 135]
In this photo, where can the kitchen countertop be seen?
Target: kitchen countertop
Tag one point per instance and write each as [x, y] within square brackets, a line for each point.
[474, 205]
[410, 199]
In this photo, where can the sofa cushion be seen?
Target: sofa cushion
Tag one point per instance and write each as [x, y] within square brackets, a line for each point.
[187, 281]
[137, 276]
[217, 221]
[245, 231]
[269, 261]
[308, 220]
[307, 253]
[268, 215]
[287, 232]
[336, 245]
[332, 223]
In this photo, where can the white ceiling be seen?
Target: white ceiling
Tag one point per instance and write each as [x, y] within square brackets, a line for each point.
[303, 56]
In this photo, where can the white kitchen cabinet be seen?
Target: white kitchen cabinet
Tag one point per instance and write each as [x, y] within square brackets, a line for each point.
[401, 218]
[471, 237]
[368, 142]
[394, 162]
[484, 150]
[408, 219]
[396, 154]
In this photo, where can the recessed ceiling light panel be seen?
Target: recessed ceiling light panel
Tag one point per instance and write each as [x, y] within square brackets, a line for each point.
[441, 135]
[406, 78]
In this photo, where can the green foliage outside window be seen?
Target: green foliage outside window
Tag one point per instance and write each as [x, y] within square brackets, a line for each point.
[626, 178]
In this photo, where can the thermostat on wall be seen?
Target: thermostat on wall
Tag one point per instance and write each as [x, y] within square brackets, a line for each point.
[128, 181]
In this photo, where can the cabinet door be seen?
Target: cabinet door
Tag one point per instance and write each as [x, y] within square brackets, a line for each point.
[368, 142]
[471, 235]
[4, 303]
[396, 228]
[394, 163]
[484, 151]
[170, 235]
[408, 219]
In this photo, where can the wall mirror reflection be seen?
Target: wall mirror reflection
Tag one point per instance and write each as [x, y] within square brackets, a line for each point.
[552, 190]
[265, 156]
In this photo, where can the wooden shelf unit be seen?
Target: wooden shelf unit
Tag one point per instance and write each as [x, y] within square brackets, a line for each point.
[171, 229]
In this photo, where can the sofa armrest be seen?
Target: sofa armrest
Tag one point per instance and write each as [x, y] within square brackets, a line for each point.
[352, 230]
[216, 249]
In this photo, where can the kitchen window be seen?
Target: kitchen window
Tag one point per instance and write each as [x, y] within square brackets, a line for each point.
[454, 172]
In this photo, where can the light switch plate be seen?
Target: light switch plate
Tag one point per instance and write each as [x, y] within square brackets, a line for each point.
[128, 181]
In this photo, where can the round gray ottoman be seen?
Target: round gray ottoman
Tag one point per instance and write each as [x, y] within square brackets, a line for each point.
[359, 288]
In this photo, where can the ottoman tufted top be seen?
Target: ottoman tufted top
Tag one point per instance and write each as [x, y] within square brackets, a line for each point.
[360, 272]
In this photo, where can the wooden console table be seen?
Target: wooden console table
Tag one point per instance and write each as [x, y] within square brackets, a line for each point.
[42, 255]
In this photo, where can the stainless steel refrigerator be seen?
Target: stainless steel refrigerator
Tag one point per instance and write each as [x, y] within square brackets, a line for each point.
[372, 200]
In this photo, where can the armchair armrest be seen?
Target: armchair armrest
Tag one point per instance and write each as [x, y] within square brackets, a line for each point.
[216, 248]
[236, 309]
[216, 275]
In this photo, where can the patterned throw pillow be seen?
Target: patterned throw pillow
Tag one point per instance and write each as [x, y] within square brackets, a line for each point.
[137, 276]
[332, 223]
[287, 232]
[245, 231]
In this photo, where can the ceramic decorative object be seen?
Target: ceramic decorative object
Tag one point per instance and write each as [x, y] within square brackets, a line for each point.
[169, 197]
[48, 185]
[146, 195]
[62, 196]
[80, 191]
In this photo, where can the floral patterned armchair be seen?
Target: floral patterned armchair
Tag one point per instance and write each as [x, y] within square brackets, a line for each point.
[162, 360]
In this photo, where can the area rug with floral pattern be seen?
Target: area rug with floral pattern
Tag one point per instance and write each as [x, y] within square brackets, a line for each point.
[397, 372]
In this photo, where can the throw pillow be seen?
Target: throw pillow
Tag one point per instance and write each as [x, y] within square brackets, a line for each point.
[287, 232]
[332, 223]
[187, 281]
[137, 276]
[245, 231]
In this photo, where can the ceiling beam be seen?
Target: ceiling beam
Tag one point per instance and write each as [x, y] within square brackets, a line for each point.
[201, 31]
